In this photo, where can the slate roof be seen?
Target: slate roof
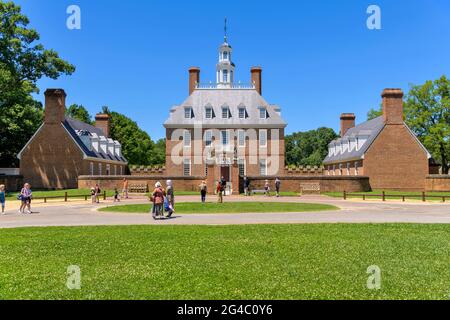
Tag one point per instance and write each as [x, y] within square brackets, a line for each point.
[370, 129]
[233, 98]
[72, 126]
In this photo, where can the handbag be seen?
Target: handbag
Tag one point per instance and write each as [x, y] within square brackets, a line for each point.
[19, 196]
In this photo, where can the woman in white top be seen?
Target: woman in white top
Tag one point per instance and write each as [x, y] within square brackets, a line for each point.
[25, 196]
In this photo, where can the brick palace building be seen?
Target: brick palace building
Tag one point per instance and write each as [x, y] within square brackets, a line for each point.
[63, 148]
[384, 149]
[225, 128]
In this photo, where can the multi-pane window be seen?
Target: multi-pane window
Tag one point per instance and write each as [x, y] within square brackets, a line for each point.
[340, 169]
[262, 113]
[225, 55]
[242, 113]
[262, 138]
[225, 113]
[225, 75]
[241, 164]
[187, 138]
[241, 138]
[348, 168]
[91, 168]
[208, 138]
[108, 169]
[263, 167]
[186, 167]
[115, 170]
[356, 168]
[121, 170]
[188, 113]
[209, 113]
[99, 169]
[225, 137]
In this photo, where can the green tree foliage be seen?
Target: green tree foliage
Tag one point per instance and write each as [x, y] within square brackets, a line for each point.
[23, 61]
[427, 111]
[374, 113]
[137, 146]
[308, 148]
[79, 112]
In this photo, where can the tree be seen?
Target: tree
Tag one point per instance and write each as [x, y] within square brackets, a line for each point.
[308, 148]
[427, 111]
[137, 146]
[79, 112]
[374, 113]
[23, 61]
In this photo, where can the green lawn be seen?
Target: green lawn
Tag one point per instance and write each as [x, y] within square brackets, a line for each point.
[227, 207]
[319, 261]
[282, 193]
[391, 194]
[60, 193]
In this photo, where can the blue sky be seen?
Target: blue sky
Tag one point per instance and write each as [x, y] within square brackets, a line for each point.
[319, 59]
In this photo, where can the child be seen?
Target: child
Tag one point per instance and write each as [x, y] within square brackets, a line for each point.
[116, 195]
[2, 197]
[93, 196]
[267, 188]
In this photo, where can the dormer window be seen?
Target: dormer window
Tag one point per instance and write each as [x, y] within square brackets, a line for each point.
[226, 113]
[242, 113]
[209, 113]
[263, 113]
[188, 113]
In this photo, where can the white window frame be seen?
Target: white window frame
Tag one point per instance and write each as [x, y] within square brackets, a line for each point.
[208, 138]
[241, 138]
[241, 162]
[263, 109]
[227, 137]
[187, 162]
[206, 112]
[91, 168]
[348, 168]
[243, 112]
[227, 110]
[262, 131]
[225, 75]
[99, 168]
[263, 164]
[188, 112]
[187, 138]
[121, 170]
[356, 168]
[108, 169]
[115, 170]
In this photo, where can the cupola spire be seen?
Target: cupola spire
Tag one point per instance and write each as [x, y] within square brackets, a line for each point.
[225, 66]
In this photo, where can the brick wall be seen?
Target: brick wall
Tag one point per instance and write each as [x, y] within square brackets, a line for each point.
[12, 182]
[437, 182]
[395, 161]
[309, 184]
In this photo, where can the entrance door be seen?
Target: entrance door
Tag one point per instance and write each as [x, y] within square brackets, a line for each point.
[225, 172]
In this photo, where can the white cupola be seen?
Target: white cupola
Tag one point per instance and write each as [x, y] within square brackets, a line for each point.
[225, 67]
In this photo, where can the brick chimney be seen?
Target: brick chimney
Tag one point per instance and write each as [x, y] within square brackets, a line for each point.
[102, 122]
[194, 78]
[256, 73]
[392, 106]
[347, 122]
[55, 106]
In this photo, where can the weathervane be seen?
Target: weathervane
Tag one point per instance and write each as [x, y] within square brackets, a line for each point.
[225, 30]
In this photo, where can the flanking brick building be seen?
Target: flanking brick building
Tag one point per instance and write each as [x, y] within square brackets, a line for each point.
[64, 148]
[225, 129]
[384, 149]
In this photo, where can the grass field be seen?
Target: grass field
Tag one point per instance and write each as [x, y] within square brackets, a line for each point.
[323, 261]
[59, 193]
[392, 194]
[227, 207]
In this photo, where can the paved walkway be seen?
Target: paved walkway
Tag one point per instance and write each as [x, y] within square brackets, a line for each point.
[81, 213]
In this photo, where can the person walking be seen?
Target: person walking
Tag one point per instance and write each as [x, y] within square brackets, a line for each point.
[93, 197]
[2, 197]
[25, 196]
[223, 184]
[246, 186]
[158, 200]
[203, 190]
[125, 188]
[116, 195]
[170, 198]
[267, 188]
[277, 186]
[97, 193]
[219, 192]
